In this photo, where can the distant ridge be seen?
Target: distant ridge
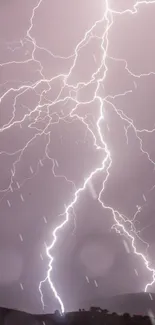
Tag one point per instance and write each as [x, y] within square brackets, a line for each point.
[133, 303]
[95, 316]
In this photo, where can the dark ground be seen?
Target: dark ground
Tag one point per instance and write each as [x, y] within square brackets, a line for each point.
[95, 316]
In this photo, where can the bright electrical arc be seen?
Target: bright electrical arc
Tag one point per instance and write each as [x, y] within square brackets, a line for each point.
[98, 77]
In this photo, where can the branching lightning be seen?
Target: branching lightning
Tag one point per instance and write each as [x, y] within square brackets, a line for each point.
[122, 224]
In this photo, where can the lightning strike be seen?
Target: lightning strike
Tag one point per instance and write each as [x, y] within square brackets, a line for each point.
[121, 223]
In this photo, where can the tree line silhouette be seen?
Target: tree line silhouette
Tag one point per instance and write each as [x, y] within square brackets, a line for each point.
[95, 316]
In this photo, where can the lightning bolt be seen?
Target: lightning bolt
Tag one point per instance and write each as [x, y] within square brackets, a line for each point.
[122, 224]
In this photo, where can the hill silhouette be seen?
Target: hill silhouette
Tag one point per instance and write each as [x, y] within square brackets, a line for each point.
[137, 303]
[94, 316]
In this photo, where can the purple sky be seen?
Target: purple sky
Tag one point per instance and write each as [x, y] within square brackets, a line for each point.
[46, 154]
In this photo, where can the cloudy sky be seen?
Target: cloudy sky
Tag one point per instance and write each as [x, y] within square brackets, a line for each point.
[77, 99]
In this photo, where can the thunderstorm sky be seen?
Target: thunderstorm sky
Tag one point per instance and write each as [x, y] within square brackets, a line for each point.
[49, 134]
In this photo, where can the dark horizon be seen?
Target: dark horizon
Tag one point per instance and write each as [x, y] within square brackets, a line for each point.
[95, 315]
